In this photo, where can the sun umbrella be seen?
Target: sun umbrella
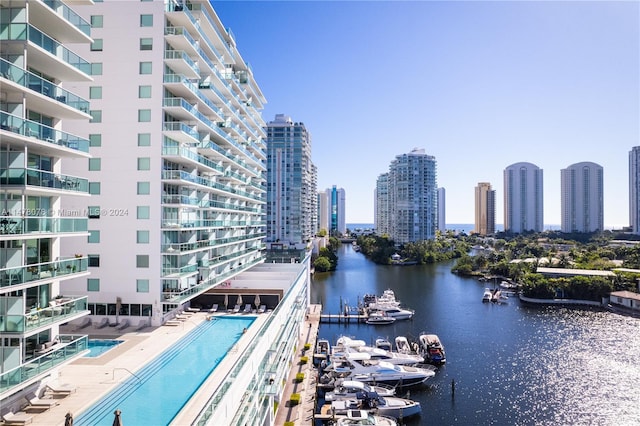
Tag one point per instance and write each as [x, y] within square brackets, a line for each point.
[117, 420]
[68, 419]
[239, 302]
[226, 300]
[257, 301]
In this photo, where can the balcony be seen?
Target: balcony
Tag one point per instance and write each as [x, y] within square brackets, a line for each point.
[43, 271]
[181, 63]
[66, 13]
[39, 178]
[25, 225]
[60, 310]
[69, 348]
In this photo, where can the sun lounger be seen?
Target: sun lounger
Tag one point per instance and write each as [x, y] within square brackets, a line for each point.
[214, 308]
[123, 325]
[142, 325]
[247, 308]
[61, 388]
[39, 405]
[19, 418]
[262, 308]
[104, 323]
[236, 309]
[86, 323]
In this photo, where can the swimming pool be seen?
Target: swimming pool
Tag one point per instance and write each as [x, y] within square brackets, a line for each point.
[159, 390]
[99, 346]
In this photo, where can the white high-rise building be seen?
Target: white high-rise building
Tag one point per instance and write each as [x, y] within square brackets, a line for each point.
[381, 204]
[291, 183]
[413, 197]
[178, 168]
[582, 198]
[442, 225]
[523, 198]
[634, 189]
[485, 199]
[323, 211]
[39, 71]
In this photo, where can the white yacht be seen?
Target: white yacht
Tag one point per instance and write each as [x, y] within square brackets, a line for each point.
[395, 311]
[360, 367]
[351, 388]
[487, 295]
[346, 344]
[364, 417]
[432, 348]
[385, 406]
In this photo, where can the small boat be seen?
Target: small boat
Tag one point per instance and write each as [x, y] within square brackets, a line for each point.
[384, 344]
[432, 348]
[386, 406]
[487, 295]
[495, 296]
[345, 389]
[394, 311]
[364, 417]
[378, 318]
[404, 347]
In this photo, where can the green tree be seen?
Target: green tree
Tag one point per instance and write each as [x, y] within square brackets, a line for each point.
[322, 264]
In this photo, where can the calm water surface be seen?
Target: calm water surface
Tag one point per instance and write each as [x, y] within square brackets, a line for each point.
[512, 364]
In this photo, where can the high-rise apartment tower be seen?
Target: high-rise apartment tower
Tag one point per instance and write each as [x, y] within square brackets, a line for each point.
[523, 198]
[485, 200]
[582, 198]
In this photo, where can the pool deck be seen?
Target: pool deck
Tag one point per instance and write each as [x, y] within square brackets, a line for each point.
[95, 377]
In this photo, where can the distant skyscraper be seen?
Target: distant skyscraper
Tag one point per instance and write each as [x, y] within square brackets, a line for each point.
[442, 226]
[336, 199]
[634, 189]
[323, 211]
[523, 205]
[292, 210]
[381, 206]
[485, 209]
[582, 201]
[413, 197]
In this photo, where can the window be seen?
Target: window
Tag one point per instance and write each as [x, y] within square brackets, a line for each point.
[95, 92]
[95, 164]
[144, 163]
[144, 91]
[94, 237]
[144, 139]
[146, 43]
[145, 67]
[144, 115]
[146, 20]
[142, 237]
[95, 140]
[94, 188]
[142, 261]
[94, 260]
[142, 286]
[144, 188]
[96, 116]
[93, 284]
[96, 68]
[96, 21]
[142, 212]
[94, 212]
[96, 46]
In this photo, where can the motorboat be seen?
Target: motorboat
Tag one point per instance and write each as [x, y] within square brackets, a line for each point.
[395, 311]
[322, 352]
[487, 295]
[496, 295]
[379, 318]
[432, 349]
[346, 389]
[346, 344]
[360, 367]
[383, 343]
[388, 298]
[385, 406]
[364, 417]
[404, 347]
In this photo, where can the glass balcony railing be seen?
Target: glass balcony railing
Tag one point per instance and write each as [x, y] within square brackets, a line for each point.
[42, 86]
[59, 310]
[173, 126]
[21, 225]
[188, 269]
[182, 175]
[184, 152]
[68, 14]
[41, 178]
[42, 271]
[69, 347]
[42, 132]
[179, 54]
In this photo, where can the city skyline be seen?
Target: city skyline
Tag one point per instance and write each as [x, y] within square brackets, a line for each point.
[478, 85]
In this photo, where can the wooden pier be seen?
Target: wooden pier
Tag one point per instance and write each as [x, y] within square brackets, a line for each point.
[342, 318]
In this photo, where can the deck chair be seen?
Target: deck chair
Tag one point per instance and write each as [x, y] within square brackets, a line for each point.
[39, 404]
[262, 308]
[104, 323]
[86, 323]
[236, 309]
[61, 388]
[123, 325]
[19, 418]
[214, 308]
[247, 308]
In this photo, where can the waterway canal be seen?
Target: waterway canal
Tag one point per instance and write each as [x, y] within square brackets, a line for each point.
[512, 364]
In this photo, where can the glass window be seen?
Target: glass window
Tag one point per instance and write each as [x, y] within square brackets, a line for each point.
[146, 20]
[94, 212]
[142, 212]
[144, 163]
[142, 261]
[144, 139]
[95, 140]
[142, 237]
[94, 237]
[96, 46]
[93, 284]
[95, 164]
[95, 92]
[146, 43]
[142, 286]
[96, 21]
[96, 116]
[94, 260]
[144, 188]
[144, 91]
[96, 68]
[145, 67]
[94, 188]
[144, 115]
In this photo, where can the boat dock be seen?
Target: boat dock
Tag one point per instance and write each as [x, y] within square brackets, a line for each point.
[343, 318]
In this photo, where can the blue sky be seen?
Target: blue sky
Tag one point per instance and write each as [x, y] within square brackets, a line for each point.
[479, 85]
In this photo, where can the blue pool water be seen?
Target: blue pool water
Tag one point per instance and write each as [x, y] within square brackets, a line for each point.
[99, 346]
[159, 390]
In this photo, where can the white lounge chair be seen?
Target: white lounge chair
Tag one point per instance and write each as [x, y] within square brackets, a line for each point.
[61, 388]
[104, 323]
[262, 308]
[86, 323]
[19, 418]
[247, 308]
[37, 404]
[214, 308]
[124, 324]
[236, 309]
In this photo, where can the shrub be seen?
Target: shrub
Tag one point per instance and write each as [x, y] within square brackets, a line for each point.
[295, 399]
[289, 423]
[304, 359]
[299, 377]
[307, 346]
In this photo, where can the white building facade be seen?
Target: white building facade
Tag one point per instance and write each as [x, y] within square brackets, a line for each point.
[582, 198]
[38, 73]
[523, 198]
[178, 159]
[381, 204]
[442, 212]
[634, 189]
